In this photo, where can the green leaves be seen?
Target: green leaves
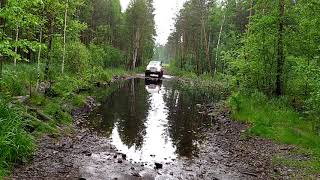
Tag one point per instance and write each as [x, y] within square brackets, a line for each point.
[18, 17]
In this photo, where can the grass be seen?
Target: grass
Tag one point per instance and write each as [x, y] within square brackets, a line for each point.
[275, 119]
[19, 127]
[211, 87]
[16, 144]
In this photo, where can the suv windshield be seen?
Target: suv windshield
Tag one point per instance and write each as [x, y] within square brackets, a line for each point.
[154, 63]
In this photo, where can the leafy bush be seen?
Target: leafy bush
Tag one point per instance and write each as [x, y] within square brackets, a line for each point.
[114, 57]
[97, 55]
[106, 56]
[78, 57]
[66, 85]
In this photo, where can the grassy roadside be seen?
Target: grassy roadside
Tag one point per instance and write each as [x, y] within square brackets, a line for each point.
[26, 114]
[273, 119]
[211, 87]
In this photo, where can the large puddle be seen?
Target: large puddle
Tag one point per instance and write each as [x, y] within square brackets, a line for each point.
[152, 121]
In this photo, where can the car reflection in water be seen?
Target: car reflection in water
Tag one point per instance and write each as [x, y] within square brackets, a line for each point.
[153, 85]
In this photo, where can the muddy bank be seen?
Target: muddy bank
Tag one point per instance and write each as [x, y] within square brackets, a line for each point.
[224, 154]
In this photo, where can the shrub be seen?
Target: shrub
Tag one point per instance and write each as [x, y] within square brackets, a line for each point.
[114, 57]
[106, 56]
[67, 85]
[97, 55]
[77, 59]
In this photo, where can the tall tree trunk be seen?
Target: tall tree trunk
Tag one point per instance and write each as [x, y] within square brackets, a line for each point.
[218, 43]
[39, 56]
[246, 53]
[50, 37]
[136, 48]
[182, 51]
[64, 36]
[207, 46]
[16, 48]
[250, 17]
[280, 55]
[2, 25]
[197, 61]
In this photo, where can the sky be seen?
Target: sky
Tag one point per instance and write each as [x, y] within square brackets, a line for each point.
[166, 11]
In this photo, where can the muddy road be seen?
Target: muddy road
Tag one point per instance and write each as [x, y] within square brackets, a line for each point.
[153, 129]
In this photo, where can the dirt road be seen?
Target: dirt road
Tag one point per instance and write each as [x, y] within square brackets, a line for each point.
[158, 132]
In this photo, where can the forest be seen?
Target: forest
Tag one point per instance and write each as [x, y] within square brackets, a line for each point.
[265, 54]
[46, 45]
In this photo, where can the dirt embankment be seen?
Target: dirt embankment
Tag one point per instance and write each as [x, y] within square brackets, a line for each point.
[225, 154]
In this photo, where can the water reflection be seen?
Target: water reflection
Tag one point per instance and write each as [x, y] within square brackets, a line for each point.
[153, 85]
[150, 120]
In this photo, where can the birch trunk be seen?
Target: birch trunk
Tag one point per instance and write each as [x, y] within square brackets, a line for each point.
[250, 16]
[16, 48]
[64, 36]
[39, 56]
[218, 43]
[280, 55]
[207, 48]
[136, 48]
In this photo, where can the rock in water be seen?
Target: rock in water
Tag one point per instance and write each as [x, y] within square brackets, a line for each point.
[124, 156]
[158, 165]
[120, 160]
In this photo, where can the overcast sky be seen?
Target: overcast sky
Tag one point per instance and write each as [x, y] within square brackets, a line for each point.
[166, 10]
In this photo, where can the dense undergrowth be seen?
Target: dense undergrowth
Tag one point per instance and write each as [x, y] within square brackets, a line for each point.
[26, 114]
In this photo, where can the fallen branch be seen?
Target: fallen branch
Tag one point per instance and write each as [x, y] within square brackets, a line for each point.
[40, 114]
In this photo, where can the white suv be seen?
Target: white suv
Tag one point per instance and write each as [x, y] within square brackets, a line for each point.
[154, 68]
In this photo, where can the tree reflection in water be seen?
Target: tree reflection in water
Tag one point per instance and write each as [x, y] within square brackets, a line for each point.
[146, 117]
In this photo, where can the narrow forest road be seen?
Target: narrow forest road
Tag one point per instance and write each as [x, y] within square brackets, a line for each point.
[154, 130]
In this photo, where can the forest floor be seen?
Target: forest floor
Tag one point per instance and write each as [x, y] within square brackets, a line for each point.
[227, 153]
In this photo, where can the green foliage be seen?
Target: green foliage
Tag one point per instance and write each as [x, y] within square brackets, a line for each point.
[106, 56]
[15, 143]
[174, 70]
[33, 31]
[103, 75]
[78, 57]
[139, 31]
[17, 80]
[113, 58]
[57, 111]
[66, 86]
[18, 15]
[97, 55]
